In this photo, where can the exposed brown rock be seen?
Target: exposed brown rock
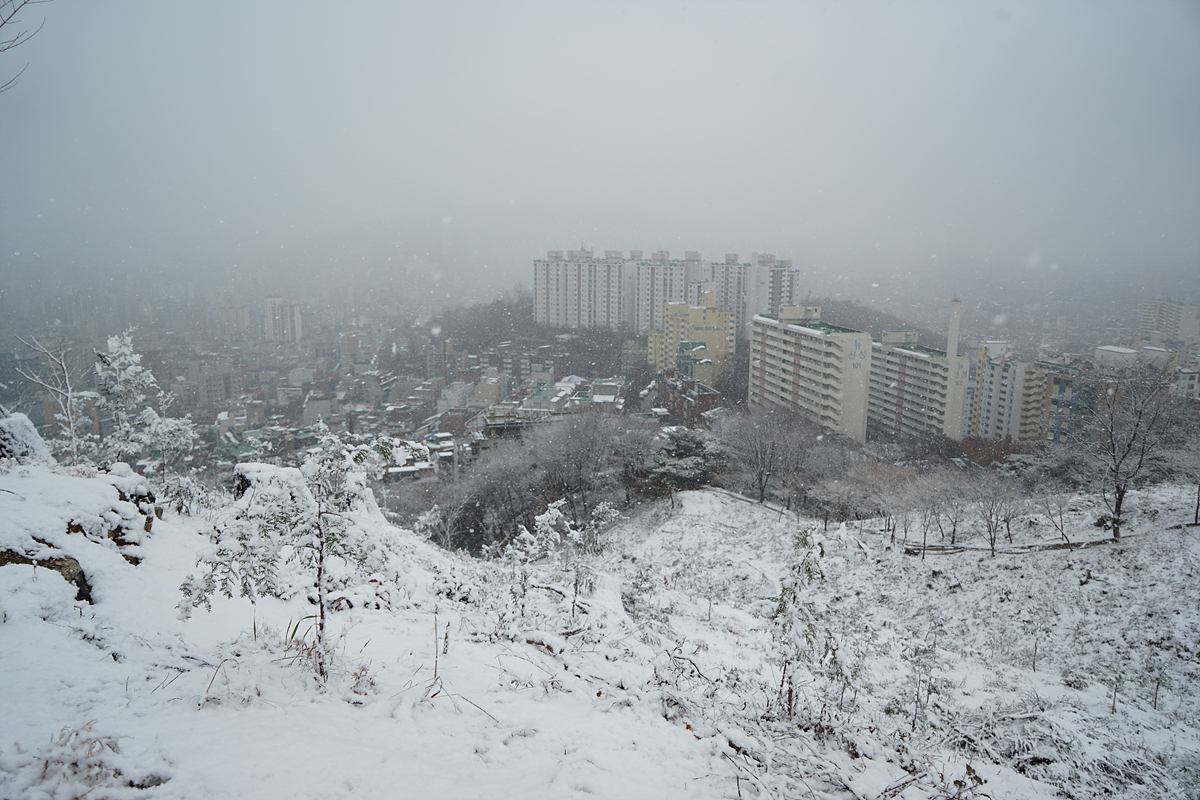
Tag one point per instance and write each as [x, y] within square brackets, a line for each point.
[66, 566]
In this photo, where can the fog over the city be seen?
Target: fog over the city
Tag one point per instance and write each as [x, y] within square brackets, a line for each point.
[876, 145]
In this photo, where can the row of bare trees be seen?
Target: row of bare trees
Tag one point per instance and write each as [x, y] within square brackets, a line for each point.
[1135, 432]
[584, 459]
[1131, 431]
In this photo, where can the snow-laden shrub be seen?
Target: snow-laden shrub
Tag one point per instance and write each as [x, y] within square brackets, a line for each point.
[291, 531]
[829, 643]
[19, 440]
[80, 762]
[189, 496]
[1042, 740]
[125, 385]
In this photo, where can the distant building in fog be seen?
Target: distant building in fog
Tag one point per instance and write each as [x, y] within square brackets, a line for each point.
[281, 322]
[1176, 320]
[574, 289]
[1175, 323]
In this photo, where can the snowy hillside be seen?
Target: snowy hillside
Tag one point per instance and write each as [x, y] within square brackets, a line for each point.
[653, 669]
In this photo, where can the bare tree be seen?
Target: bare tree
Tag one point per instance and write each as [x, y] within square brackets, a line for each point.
[11, 33]
[887, 492]
[500, 492]
[635, 443]
[763, 441]
[60, 379]
[993, 499]
[842, 498]
[577, 455]
[1016, 505]
[929, 498]
[953, 503]
[1127, 434]
[1053, 503]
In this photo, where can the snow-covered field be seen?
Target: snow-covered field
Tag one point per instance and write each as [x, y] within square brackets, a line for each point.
[660, 678]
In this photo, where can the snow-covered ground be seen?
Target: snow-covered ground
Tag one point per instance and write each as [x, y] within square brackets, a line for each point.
[658, 679]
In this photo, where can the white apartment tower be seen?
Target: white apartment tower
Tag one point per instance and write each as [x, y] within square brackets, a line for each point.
[771, 285]
[659, 281]
[281, 322]
[1169, 321]
[573, 289]
[1010, 395]
[1176, 320]
[728, 280]
[576, 291]
[820, 370]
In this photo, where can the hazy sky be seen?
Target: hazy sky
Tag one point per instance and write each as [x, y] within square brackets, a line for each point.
[1008, 135]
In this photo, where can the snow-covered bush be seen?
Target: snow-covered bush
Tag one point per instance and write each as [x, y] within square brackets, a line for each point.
[190, 496]
[798, 630]
[291, 530]
[20, 441]
[80, 762]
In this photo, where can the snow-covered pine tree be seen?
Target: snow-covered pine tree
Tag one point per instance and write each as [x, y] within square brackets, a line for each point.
[690, 459]
[134, 425]
[297, 516]
[124, 385]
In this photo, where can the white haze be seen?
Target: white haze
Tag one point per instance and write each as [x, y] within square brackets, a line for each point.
[866, 141]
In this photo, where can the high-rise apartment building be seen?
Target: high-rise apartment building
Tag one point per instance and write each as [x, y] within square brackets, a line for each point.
[659, 281]
[1176, 320]
[282, 323]
[728, 283]
[573, 289]
[820, 370]
[917, 390]
[1169, 321]
[1010, 395]
[231, 322]
[772, 284]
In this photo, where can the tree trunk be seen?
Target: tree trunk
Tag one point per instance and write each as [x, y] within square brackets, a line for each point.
[321, 603]
[1116, 523]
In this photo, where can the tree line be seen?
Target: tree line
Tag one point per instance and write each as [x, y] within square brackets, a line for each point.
[1135, 433]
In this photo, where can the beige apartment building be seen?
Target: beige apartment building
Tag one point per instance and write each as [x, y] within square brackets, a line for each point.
[916, 390]
[701, 328]
[820, 370]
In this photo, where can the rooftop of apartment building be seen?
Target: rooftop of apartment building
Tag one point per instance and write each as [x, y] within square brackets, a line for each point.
[915, 349]
[823, 328]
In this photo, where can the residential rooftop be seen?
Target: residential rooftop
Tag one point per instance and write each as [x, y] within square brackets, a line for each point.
[823, 328]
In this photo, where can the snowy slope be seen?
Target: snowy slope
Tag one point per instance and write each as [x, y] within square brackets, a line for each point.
[486, 679]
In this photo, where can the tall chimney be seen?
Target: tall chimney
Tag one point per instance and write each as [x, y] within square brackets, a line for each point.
[952, 332]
